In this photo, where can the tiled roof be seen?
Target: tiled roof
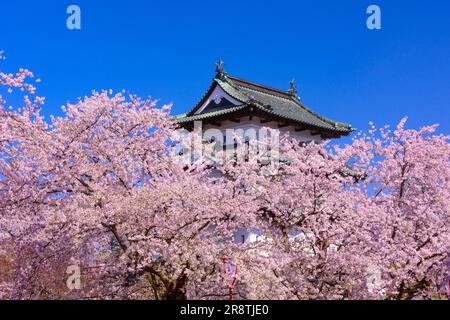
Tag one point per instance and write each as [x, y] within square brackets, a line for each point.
[182, 118]
[281, 104]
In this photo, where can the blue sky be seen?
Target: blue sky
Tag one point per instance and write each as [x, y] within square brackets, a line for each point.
[167, 49]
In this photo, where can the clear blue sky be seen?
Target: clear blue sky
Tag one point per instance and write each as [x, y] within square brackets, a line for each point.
[167, 49]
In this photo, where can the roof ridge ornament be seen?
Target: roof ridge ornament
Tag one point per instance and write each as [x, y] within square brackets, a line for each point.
[293, 88]
[220, 72]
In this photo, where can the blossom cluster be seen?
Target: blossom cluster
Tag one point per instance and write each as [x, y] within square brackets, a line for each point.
[102, 188]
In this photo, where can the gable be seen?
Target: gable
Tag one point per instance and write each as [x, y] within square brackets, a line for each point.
[217, 100]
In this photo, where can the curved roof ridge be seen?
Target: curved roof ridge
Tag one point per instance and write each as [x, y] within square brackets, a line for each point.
[240, 96]
[288, 96]
[264, 88]
[263, 92]
[325, 119]
[205, 95]
[182, 119]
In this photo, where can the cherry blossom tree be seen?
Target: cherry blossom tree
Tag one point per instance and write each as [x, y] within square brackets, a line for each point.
[369, 220]
[102, 188]
[406, 193]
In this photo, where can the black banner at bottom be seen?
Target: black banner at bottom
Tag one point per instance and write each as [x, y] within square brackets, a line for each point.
[227, 309]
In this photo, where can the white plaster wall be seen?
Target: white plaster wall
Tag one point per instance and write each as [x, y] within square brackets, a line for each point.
[245, 124]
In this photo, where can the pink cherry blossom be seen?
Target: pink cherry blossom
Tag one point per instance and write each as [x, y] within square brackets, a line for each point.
[102, 188]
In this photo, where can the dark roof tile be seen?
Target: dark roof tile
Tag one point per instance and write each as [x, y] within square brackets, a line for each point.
[282, 104]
